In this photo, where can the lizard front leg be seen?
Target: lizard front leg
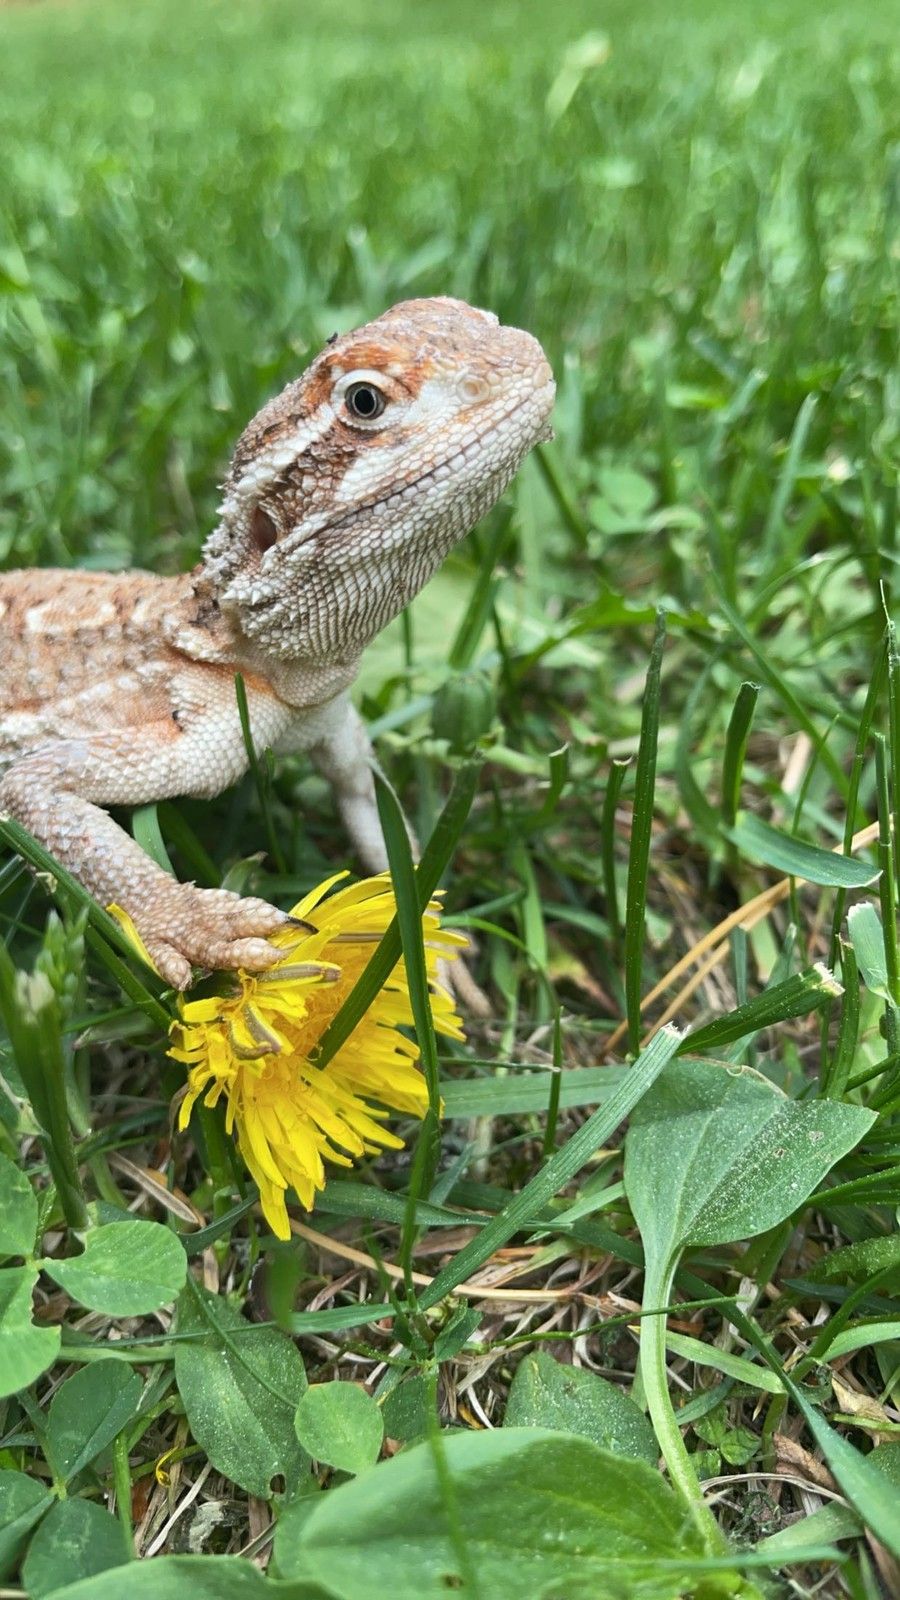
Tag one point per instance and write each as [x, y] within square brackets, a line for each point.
[57, 792]
[341, 750]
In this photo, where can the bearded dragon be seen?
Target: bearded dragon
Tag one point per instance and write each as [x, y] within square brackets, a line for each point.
[343, 496]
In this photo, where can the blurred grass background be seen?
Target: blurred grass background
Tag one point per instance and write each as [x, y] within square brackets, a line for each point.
[696, 210]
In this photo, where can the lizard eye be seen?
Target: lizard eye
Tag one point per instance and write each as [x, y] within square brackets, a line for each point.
[364, 401]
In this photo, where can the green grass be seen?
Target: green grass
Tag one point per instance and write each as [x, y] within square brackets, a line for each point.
[702, 229]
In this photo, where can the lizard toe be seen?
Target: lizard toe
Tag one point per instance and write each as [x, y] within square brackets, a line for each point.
[172, 966]
[250, 918]
[254, 954]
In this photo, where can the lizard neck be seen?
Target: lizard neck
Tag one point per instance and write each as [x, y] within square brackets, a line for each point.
[198, 626]
[341, 590]
[313, 603]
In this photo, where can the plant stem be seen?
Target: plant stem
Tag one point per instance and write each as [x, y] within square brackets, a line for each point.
[122, 1480]
[657, 1288]
[641, 833]
[30, 1012]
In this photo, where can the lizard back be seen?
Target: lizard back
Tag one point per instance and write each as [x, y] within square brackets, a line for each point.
[81, 652]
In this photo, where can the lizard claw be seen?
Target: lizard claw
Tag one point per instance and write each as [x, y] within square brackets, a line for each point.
[213, 928]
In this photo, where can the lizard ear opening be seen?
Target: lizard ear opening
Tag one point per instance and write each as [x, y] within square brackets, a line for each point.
[263, 531]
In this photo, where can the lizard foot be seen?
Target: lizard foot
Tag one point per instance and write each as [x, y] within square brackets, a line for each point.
[189, 927]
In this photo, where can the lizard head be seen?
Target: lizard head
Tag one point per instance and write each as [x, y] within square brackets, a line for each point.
[346, 490]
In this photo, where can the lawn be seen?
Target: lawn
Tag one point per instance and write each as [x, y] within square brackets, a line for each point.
[678, 628]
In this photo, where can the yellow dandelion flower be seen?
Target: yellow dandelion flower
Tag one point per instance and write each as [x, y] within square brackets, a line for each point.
[256, 1045]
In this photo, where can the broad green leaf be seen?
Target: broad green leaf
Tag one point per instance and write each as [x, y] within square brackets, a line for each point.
[77, 1539]
[339, 1423]
[18, 1211]
[23, 1501]
[409, 1410]
[546, 1394]
[240, 1385]
[533, 1513]
[87, 1412]
[25, 1351]
[887, 1459]
[867, 938]
[717, 1153]
[175, 1577]
[125, 1270]
[795, 857]
[630, 492]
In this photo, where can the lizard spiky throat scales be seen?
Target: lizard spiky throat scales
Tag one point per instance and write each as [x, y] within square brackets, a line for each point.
[348, 489]
[344, 494]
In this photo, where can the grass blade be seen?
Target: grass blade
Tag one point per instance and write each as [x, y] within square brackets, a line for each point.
[893, 661]
[837, 1076]
[785, 693]
[641, 834]
[614, 783]
[869, 1491]
[735, 750]
[867, 941]
[565, 505]
[559, 1170]
[435, 859]
[795, 997]
[99, 920]
[275, 850]
[787, 477]
[478, 608]
[146, 832]
[797, 859]
[409, 922]
[31, 1015]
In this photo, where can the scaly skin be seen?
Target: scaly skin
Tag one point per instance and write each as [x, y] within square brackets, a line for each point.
[344, 495]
